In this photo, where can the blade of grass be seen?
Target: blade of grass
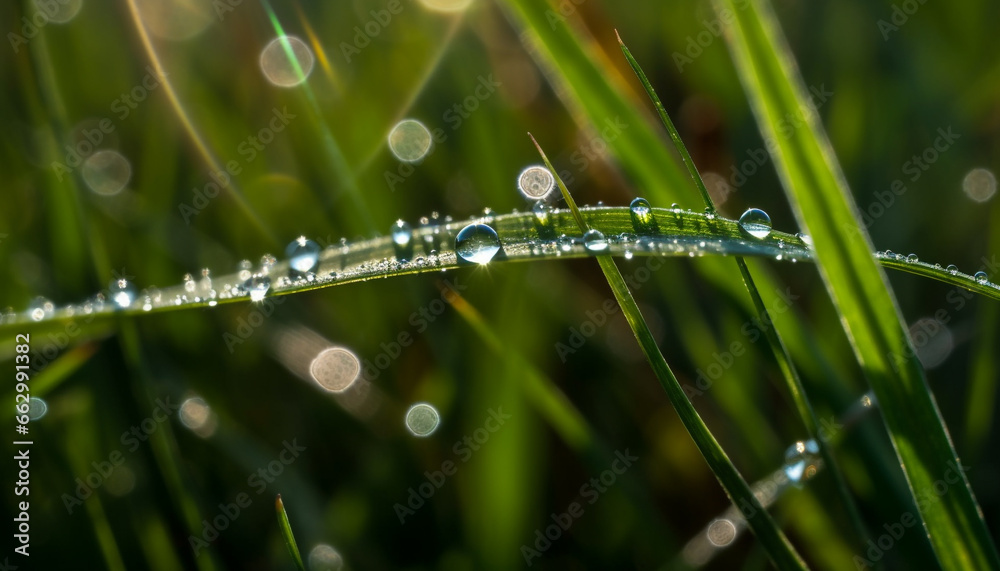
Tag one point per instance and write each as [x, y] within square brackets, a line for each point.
[817, 191]
[286, 532]
[778, 547]
[788, 370]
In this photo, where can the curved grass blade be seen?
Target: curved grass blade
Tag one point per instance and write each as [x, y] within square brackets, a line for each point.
[780, 550]
[816, 189]
[778, 348]
[286, 532]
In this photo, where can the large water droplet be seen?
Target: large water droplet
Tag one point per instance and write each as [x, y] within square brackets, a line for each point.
[536, 182]
[303, 254]
[912, 259]
[122, 292]
[952, 269]
[40, 308]
[981, 277]
[594, 241]
[642, 216]
[422, 419]
[477, 243]
[756, 222]
[800, 461]
[258, 285]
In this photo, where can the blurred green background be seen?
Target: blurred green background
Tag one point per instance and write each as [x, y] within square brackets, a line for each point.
[328, 173]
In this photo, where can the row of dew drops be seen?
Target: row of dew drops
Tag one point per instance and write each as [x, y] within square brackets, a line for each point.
[476, 243]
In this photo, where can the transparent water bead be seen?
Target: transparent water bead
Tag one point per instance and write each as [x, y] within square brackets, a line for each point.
[401, 233]
[912, 259]
[267, 262]
[756, 223]
[594, 241]
[806, 239]
[422, 419]
[477, 243]
[40, 308]
[642, 215]
[541, 210]
[800, 461]
[122, 292]
[536, 182]
[410, 141]
[258, 285]
[952, 269]
[189, 285]
[244, 270]
[302, 254]
[286, 61]
[981, 277]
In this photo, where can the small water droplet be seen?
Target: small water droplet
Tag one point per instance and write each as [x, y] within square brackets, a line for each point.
[303, 254]
[257, 286]
[122, 292]
[952, 269]
[267, 262]
[756, 223]
[642, 216]
[189, 285]
[40, 308]
[981, 277]
[594, 240]
[628, 254]
[422, 419]
[806, 239]
[541, 210]
[800, 461]
[675, 206]
[912, 259]
[477, 243]
[244, 268]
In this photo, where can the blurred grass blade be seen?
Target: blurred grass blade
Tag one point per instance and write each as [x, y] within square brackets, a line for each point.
[286, 532]
[772, 539]
[778, 348]
[824, 208]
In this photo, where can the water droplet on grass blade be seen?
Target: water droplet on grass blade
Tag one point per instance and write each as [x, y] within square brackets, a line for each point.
[594, 241]
[477, 243]
[257, 286]
[303, 254]
[952, 269]
[981, 277]
[244, 270]
[422, 419]
[912, 259]
[800, 461]
[122, 292]
[806, 239]
[642, 216]
[40, 308]
[756, 223]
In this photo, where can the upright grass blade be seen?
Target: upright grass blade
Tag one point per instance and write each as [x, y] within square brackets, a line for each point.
[778, 547]
[778, 348]
[286, 532]
[818, 193]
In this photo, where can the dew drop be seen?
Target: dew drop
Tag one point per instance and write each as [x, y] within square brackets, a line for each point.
[286, 61]
[594, 240]
[243, 270]
[541, 210]
[122, 292]
[536, 182]
[806, 239]
[980, 277]
[401, 233]
[952, 269]
[912, 259]
[422, 419]
[642, 216]
[477, 243]
[800, 461]
[257, 286]
[189, 285]
[40, 308]
[267, 262]
[756, 223]
[303, 254]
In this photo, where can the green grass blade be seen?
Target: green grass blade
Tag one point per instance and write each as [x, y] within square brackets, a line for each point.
[778, 547]
[778, 348]
[286, 532]
[824, 208]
